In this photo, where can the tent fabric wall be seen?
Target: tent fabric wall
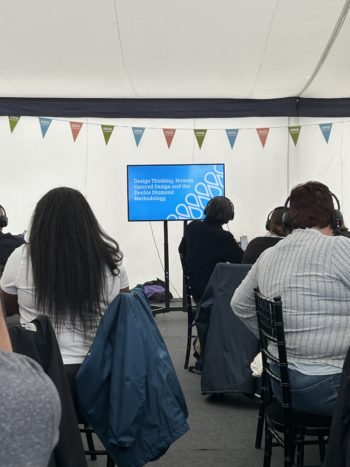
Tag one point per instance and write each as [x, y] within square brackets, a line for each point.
[261, 49]
[257, 178]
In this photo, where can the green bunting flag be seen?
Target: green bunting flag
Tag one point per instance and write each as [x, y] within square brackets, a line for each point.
[169, 135]
[294, 132]
[263, 134]
[200, 135]
[13, 122]
[75, 127]
[107, 132]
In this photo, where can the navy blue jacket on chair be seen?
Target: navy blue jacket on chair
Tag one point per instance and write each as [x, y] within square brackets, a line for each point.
[127, 386]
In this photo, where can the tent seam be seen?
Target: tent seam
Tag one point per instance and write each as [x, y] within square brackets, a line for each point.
[265, 48]
[122, 49]
[329, 45]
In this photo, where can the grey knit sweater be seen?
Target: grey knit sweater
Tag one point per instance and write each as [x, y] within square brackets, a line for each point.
[311, 273]
[30, 412]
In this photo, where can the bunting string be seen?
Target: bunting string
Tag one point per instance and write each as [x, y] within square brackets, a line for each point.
[169, 133]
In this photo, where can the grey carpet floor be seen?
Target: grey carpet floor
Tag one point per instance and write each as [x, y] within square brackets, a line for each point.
[222, 432]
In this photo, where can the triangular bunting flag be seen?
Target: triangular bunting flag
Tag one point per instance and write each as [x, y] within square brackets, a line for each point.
[200, 135]
[13, 122]
[232, 135]
[326, 129]
[75, 127]
[138, 133]
[107, 132]
[44, 125]
[169, 135]
[294, 132]
[263, 134]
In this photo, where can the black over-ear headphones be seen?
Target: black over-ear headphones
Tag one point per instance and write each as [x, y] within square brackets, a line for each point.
[232, 211]
[3, 218]
[268, 220]
[285, 217]
[337, 216]
[335, 222]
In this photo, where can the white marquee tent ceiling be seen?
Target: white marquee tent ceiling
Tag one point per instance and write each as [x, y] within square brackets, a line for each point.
[256, 49]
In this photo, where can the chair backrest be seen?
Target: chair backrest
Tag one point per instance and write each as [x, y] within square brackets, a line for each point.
[38, 341]
[273, 348]
[187, 287]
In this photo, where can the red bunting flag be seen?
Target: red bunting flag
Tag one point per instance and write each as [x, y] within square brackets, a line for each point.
[169, 135]
[75, 127]
[263, 134]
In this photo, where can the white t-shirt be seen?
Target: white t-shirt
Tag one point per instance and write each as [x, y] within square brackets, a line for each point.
[17, 279]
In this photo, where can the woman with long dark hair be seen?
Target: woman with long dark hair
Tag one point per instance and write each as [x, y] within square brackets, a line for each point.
[70, 270]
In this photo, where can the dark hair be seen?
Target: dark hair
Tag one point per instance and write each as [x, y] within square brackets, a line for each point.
[70, 253]
[276, 223]
[311, 205]
[219, 210]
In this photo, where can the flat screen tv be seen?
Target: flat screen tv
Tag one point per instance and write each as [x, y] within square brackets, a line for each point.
[172, 192]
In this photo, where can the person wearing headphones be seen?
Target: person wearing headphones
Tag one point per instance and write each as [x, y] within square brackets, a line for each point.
[206, 243]
[310, 271]
[276, 232]
[8, 242]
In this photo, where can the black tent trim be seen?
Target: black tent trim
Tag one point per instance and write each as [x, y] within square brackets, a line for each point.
[174, 108]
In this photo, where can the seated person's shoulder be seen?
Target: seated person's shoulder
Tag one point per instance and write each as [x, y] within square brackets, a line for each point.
[20, 239]
[254, 241]
[226, 234]
[19, 251]
[15, 239]
[194, 224]
[341, 242]
[194, 227]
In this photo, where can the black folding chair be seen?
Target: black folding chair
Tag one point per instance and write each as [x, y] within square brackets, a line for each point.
[283, 426]
[84, 427]
[92, 451]
[190, 309]
[338, 450]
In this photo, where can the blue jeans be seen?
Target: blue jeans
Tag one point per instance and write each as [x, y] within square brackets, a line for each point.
[310, 393]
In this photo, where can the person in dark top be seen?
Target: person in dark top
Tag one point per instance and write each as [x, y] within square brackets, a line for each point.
[8, 242]
[276, 232]
[206, 243]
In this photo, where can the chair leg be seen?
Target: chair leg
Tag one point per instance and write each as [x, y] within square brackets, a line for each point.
[90, 443]
[300, 449]
[188, 348]
[260, 426]
[189, 338]
[322, 447]
[288, 448]
[268, 447]
[110, 461]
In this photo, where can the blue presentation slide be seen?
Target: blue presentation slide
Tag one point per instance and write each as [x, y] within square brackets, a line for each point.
[172, 192]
